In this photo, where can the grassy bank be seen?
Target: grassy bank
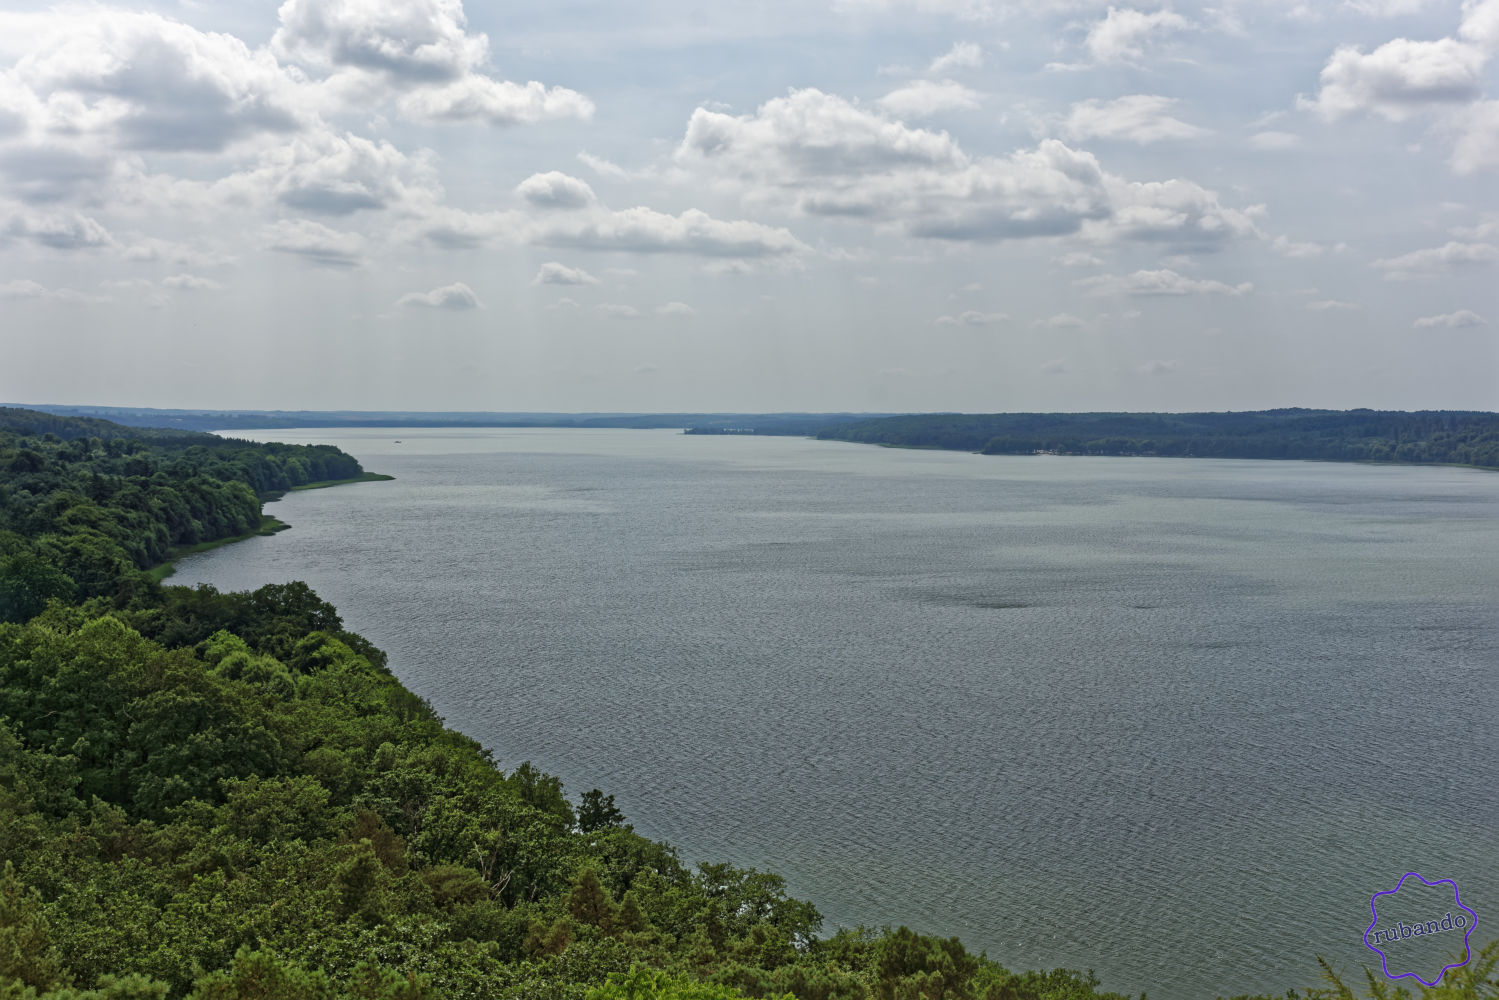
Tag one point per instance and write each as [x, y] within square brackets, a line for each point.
[268, 525]
[368, 477]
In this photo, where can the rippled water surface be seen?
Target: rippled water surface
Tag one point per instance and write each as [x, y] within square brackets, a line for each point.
[1172, 719]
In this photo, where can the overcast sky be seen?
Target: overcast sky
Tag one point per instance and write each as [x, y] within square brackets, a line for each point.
[974, 205]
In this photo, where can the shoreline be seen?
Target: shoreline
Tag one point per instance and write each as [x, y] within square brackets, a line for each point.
[269, 524]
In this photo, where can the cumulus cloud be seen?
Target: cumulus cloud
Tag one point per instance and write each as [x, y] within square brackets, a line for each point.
[1137, 118]
[1332, 305]
[1176, 212]
[1451, 256]
[150, 83]
[615, 310]
[962, 55]
[421, 52]
[1078, 258]
[555, 189]
[191, 283]
[1450, 321]
[1477, 144]
[326, 173]
[921, 98]
[972, 317]
[676, 310]
[457, 297]
[1062, 321]
[602, 167]
[1480, 23]
[1158, 367]
[645, 230]
[1124, 35]
[24, 288]
[821, 155]
[315, 242]
[1399, 79]
[967, 10]
[1161, 282]
[554, 273]
[496, 102]
[57, 230]
[1287, 247]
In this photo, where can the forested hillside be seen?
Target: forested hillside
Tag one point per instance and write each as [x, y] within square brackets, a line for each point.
[222, 796]
[1458, 437]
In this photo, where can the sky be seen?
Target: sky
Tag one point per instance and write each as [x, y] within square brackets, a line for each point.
[824, 205]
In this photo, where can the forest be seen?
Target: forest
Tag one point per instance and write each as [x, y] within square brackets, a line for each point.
[228, 795]
[1432, 436]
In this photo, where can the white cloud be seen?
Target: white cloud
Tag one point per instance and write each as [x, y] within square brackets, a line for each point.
[616, 311]
[1158, 367]
[150, 83]
[821, 155]
[1273, 142]
[678, 310]
[417, 40]
[1055, 367]
[315, 242]
[1450, 321]
[1062, 321]
[1480, 23]
[457, 297]
[1332, 305]
[1385, 8]
[555, 189]
[645, 230]
[1399, 79]
[191, 283]
[1449, 257]
[1175, 212]
[1137, 118]
[921, 98]
[962, 55]
[602, 167]
[325, 173]
[497, 102]
[1477, 145]
[1124, 34]
[972, 317]
[1287, 247]
[1161, 282]
[24, 288]
[57, 230]
[1078, 258]
[967, 10]
[554, 273]
[420, 52]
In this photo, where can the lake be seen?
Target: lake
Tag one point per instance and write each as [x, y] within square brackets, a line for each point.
[1175, 720]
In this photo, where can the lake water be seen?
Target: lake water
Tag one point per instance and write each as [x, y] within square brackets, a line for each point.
[1175, 720]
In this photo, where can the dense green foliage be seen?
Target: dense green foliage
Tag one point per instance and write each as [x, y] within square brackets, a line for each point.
[1461, 437]
[228, 796]
[85, 505]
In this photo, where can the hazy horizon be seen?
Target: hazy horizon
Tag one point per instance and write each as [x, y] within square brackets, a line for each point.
[853, 205]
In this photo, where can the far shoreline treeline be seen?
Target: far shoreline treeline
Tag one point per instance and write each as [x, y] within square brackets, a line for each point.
[1431, 437]
[1427, 437]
